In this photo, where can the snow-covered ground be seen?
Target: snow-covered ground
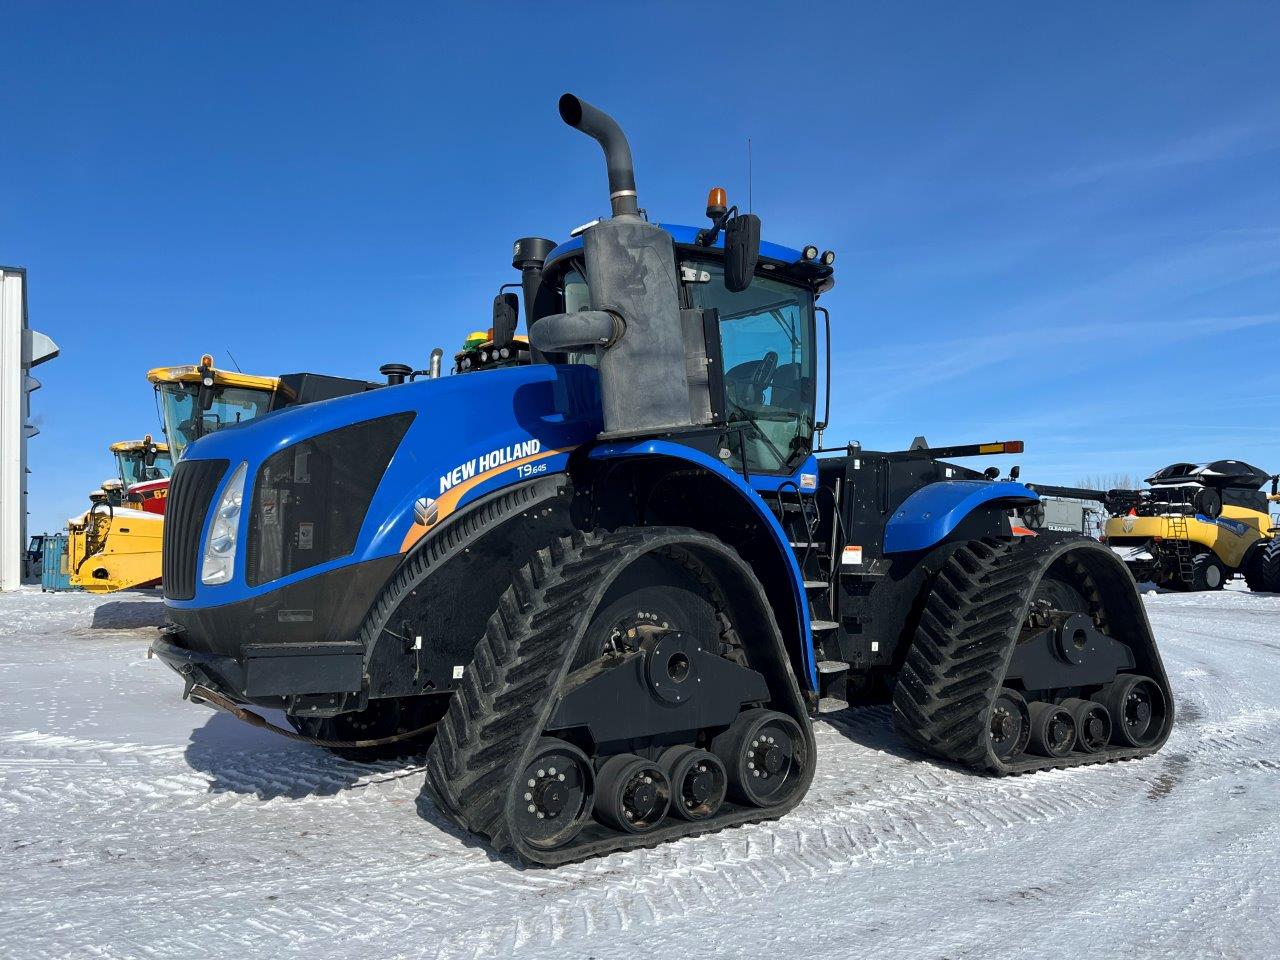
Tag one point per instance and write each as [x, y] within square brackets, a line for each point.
[136, 825]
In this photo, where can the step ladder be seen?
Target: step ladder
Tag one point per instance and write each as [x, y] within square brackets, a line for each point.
[1181, 541]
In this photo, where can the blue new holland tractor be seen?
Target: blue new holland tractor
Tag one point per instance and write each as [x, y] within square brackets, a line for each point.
[605, 581]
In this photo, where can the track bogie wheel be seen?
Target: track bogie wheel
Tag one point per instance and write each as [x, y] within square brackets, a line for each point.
[554, 798]
[633, 794]
[765, 756]
[1093, 724]
[1053, 730]
[1137, 708]
[698, 779]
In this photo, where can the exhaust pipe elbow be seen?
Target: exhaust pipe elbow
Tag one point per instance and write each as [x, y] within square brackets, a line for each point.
[584, 330]
[604, 130]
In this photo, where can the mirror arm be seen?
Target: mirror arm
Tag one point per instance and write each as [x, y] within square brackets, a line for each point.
[707, 235]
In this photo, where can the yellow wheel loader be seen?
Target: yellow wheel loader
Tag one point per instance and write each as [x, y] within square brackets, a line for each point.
[1196, 526]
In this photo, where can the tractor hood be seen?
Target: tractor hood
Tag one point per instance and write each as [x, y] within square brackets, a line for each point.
[405, 456]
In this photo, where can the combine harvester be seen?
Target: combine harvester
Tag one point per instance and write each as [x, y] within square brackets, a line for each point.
[615, 581]
[1198, 525]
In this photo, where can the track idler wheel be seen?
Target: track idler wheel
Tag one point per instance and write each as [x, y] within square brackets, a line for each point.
[1010, 724]
[1137, 708]
[1053, 730]
[765, 756]
[1093, 724]
[556, 795]
[698, 781]
[633, 794]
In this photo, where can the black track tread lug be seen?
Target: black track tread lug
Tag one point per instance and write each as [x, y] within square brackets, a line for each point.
[499, 705]
[961, 649]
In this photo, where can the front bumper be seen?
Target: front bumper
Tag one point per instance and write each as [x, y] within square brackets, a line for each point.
[316, 678]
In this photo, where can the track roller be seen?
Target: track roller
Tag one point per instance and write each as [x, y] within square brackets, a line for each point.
[556, 793]
[633, 794]
[1093, 723]
[698, 781]
[765, 756]
[1137, 707]
[1053, 730]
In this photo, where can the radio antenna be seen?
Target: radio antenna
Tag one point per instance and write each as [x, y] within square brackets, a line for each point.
[750, 207]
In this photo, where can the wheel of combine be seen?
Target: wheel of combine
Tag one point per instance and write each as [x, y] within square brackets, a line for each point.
[1207, 572]
[957, 696]
[638, 648]
[1263, 572]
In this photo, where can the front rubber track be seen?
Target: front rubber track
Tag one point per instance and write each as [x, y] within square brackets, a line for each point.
[967, 633]
[507, 694]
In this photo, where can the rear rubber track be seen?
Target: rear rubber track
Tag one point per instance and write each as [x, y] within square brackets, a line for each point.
[961, 649]
[506, 695]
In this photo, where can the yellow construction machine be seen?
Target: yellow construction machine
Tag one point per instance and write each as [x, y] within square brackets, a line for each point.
[115, 544]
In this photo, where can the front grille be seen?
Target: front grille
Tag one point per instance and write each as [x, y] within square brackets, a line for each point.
[310, 499]
[190, 491]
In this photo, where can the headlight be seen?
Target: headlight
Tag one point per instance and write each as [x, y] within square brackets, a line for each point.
[220, 545]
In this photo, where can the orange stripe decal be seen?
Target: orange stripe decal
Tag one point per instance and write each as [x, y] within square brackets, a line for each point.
[448, 501]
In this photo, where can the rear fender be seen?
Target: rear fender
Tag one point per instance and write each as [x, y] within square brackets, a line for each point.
[931, 514]
[709, 496]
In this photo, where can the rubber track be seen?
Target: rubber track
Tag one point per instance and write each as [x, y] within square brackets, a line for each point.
[961, 649]
[501, 704]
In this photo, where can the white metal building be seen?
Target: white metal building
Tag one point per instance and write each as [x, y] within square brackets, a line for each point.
[20, 349]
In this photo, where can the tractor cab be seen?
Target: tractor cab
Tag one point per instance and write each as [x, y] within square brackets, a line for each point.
[198, 399]
[141, 461]
[750, 326]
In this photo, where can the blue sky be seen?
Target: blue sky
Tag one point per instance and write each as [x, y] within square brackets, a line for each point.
[1057, 224]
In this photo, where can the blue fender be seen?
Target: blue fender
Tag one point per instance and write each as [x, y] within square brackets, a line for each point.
[665, 448]
[929, 515]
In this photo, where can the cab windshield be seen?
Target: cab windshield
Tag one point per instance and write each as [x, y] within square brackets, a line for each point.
[133, 468]
[184, 421]
[767, 342]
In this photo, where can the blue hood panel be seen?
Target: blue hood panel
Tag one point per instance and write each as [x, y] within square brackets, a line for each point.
[471, 434]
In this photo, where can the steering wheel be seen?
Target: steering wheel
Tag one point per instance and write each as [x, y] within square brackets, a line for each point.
[762, 374]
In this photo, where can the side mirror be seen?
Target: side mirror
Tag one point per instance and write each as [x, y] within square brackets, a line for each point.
[741, 251]
[505, 316]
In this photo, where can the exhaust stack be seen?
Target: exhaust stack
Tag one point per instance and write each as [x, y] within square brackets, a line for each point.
[617, 152]
[635, 325]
